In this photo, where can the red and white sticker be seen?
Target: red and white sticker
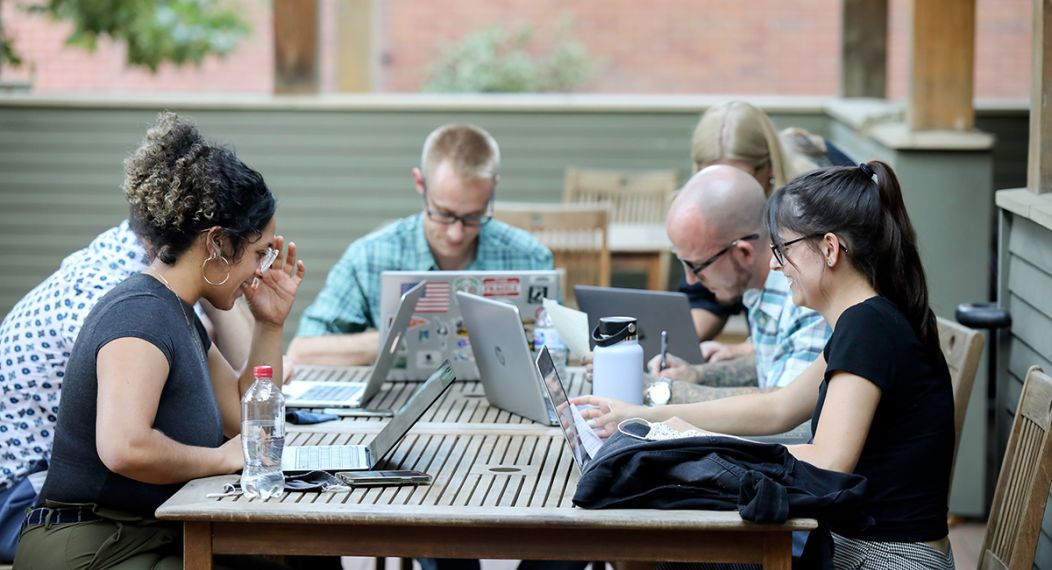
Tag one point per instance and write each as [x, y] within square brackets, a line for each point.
[501, 287]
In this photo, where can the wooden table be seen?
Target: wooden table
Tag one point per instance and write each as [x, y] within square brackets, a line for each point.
[641, 247]
[502, 489]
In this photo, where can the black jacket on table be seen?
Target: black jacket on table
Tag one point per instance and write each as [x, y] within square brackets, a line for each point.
[762, 481]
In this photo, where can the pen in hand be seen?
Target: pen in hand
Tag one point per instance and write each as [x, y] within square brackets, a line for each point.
[664, 350]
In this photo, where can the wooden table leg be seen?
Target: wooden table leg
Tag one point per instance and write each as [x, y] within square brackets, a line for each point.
[778, 551]
[197, 546]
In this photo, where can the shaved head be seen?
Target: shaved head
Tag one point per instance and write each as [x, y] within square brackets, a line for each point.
[720, 203]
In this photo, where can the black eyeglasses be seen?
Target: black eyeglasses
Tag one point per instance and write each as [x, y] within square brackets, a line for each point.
[778, 250]
[449, 218]
[697, 267]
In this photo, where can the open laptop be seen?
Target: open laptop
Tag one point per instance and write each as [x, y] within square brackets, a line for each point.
[436, 331]
[498, 341]
[363, 457]
[654, 311]
[583, 442]
[323, 394]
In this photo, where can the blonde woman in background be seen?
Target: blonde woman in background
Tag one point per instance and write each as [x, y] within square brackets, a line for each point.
[740, 135]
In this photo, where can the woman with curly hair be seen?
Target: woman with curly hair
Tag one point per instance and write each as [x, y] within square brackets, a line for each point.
[148, 402]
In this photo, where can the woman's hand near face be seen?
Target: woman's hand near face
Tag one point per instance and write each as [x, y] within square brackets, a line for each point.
[606, 413]
[272, 297]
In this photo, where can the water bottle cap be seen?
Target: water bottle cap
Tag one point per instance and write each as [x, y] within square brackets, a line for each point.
[262, 372]
[612, 330]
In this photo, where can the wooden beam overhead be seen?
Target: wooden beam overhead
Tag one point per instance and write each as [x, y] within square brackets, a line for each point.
[1039, 171]
[942, 56]
[296, 47]
[864, 53]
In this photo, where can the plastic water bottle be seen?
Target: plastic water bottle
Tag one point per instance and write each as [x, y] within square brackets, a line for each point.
[262, 436]
[545, 334]
[617, 361]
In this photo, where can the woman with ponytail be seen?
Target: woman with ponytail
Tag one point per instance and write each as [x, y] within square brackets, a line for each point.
[879, 397]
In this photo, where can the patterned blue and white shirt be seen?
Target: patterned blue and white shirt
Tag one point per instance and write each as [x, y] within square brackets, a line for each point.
[350, 300]
[787, 338]
[35, 340]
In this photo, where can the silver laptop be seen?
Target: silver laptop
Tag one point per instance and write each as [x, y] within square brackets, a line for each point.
[654, 311]
[363, 457]
[582, 445]
[323, 394]
[509, 376]
[436, 331]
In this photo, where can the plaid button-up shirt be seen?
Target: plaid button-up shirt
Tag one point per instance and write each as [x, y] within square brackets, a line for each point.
[350, 300]
[787, 338]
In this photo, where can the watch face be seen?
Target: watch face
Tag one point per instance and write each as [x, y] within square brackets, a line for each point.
[658, 393]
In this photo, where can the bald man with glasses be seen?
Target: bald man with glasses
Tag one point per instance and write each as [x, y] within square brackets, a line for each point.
[457, 180]
[718, 233]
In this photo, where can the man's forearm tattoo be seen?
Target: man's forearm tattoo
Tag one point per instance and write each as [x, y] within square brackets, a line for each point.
[740, 372]
[687, 393]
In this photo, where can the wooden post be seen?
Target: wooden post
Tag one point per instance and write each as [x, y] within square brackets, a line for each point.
[295, 46]
[354, 45]
[943, 62]
[1039, 171]
[864, 53]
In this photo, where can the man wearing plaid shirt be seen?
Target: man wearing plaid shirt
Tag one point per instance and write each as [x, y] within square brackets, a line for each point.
[717, 228]
[455, 231]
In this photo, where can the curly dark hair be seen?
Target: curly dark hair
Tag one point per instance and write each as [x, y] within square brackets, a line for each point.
[179, 185]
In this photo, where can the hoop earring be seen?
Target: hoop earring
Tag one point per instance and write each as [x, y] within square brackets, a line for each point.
[204, 270]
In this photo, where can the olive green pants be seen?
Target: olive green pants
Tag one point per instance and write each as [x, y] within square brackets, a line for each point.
[118, 540]
[121, 541]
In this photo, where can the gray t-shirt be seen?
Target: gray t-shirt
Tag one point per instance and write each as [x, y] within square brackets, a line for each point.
[140, 307]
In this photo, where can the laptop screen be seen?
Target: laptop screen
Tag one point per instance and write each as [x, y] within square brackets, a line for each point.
[403, 421]
[561, 402]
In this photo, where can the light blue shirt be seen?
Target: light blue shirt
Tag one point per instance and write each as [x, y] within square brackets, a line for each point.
[786, 338]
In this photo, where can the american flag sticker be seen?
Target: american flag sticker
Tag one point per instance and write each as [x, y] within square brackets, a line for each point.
[435, 298]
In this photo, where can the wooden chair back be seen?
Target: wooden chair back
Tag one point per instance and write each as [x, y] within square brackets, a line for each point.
[962, 348]
[576, 234]
[634, 197]
[1023, 485]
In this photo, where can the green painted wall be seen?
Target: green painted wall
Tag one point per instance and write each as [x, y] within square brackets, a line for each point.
[337, 173]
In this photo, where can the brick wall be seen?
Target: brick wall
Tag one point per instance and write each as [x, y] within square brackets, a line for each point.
[668, 46]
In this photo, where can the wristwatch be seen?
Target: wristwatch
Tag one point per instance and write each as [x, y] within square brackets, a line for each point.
[658, 392]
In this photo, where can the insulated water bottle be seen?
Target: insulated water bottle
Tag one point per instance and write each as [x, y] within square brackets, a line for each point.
[617, 361]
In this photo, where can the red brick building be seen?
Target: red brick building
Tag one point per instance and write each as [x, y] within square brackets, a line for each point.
[667, 46]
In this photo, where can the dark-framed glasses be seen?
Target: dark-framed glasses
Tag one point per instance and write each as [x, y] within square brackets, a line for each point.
[449, 218]
[778, 250]
[696, 267]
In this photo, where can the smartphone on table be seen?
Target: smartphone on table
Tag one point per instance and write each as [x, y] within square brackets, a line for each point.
[384, 478]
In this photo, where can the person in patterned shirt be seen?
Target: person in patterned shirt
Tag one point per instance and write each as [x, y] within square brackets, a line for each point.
[457, 179]
[716, 226]
[35, 340]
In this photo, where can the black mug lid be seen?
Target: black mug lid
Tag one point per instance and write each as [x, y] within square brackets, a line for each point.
[612, 330]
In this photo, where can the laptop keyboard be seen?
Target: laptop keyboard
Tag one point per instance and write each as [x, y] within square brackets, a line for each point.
[331, 393]
[331, 457]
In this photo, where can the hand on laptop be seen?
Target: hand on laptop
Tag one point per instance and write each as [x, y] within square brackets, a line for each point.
[677, 369]
[713, 351]
[605, 413]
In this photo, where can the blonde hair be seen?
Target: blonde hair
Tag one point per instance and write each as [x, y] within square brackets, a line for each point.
[739, 131]
[471, 151]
